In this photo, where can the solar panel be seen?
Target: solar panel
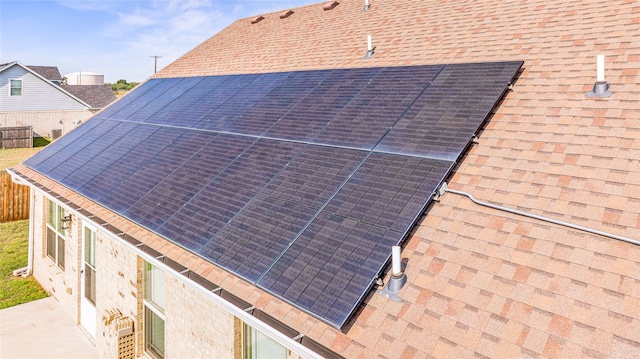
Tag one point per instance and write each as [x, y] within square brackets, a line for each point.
[367, 118]
[267, 224]
[324, 101]
[150, 94]
[446, 116]
[298, 182]
[159, 103]
[131, 97]
[278, 102]
[224, 118]
[51, 151]
[370, 213]
[195, 225]
[188, 109]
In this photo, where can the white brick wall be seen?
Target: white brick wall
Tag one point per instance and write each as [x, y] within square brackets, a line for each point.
[194, 327]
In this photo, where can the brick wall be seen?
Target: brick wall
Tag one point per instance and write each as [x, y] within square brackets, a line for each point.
[64, 285]
[195, 326]
[118, 289]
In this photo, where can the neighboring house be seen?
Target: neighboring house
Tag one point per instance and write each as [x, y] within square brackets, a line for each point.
[32, 96]
[165, 228]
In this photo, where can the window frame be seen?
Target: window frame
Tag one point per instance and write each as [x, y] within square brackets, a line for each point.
[89, 264]
[153, 308]
[55, 234]
[257, 339]
[12, 87]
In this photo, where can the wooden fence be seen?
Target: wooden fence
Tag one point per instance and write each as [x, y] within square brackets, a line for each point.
[14, 199]
[16, 137]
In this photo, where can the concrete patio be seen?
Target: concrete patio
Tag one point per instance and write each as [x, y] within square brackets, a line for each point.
[41, 329]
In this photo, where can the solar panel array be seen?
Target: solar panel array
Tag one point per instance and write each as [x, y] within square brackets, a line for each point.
[299, 182]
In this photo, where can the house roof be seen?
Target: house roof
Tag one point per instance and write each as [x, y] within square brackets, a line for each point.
[481, 282]
[97, 96]
[50, 73]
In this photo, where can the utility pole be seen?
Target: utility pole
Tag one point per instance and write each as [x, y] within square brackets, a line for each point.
[155, 64]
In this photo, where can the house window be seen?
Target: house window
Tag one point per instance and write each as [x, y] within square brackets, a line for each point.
[55, 234]
[16, 87]
[90, 265]
[259, 346]
[154, 300]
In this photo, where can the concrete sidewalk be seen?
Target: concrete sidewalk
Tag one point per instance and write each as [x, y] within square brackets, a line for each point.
[41, 329]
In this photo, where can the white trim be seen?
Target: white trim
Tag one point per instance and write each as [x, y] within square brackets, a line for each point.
[11, 88]
[272, 333]
[88, 310]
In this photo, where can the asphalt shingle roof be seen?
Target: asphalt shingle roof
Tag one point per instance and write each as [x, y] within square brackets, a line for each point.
[97, 96]
[50, 73]
[481, 282]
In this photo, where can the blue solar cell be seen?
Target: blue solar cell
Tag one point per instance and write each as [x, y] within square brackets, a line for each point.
[304, 121]
[143, 99]
[279, 101]
[372, 212]
[164, 99]
[223, 93]
[74, 144]
[50, 152]
[193, 105]
[99, 155]
[367, 118]
[224, 117]
[167, 198]
[174, 147]
[273, 219]
[131, 97]
[442, 121]
[196, 224]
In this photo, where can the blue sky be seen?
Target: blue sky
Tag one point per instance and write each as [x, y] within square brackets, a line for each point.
[116, 38]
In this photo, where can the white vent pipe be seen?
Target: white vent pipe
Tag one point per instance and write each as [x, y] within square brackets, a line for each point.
[368, 42]
[396, 267]
[600, 68]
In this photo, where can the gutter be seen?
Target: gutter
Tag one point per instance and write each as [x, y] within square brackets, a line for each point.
[241, 314]
[445, 189]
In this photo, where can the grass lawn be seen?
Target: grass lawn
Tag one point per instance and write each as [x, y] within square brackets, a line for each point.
[13, 255]
[12, 156]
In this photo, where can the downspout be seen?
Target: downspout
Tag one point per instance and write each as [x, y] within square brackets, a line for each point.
[445, 189]
[32, 211]
[26, 271]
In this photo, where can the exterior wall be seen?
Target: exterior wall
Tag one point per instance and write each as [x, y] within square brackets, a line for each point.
[43, 122]
[118, 289]
[63, 285]
[195, 327]
[37, 94]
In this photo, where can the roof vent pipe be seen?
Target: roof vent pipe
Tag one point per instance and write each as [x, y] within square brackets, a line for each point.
[257, 19]
[285, 14]
[366, 5]
[601, 87]
[370, 50]
[330, 5]
[398, 278]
